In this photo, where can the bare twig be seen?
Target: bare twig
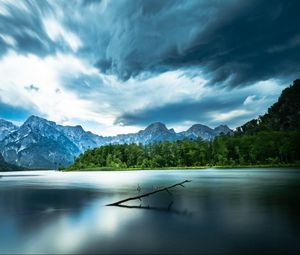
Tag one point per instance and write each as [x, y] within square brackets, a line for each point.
[148, 194]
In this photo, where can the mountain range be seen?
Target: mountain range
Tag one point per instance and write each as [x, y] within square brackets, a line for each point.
[42, 144]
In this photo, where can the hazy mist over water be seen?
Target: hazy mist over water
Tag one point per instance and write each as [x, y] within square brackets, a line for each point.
[220, 211]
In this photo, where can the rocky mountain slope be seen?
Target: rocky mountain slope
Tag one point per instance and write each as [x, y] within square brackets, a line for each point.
[4, 166]
[40, 143]
[6, 128]
[205, 132]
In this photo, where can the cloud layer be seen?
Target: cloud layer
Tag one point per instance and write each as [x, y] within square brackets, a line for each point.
[116, 66]
[233, 42]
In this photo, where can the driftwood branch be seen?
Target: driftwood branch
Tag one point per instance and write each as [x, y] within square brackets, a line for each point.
[149, 193]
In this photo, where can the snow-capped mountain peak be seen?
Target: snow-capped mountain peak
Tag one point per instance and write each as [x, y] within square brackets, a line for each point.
[40, 143]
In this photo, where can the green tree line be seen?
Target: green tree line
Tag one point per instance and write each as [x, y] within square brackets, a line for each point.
[267, 147]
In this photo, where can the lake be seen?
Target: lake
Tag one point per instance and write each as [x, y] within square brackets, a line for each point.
[220, 211]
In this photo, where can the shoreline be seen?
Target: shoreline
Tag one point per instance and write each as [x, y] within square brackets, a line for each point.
[103, 169]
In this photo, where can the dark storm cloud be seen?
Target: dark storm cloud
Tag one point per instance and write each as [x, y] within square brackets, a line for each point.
[229, 43]
[23, 23]
[232, 42]
[144, 35]
[200, 111]
[84, 85]
[217, 106]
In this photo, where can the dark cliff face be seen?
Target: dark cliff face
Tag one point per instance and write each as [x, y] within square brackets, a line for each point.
[284, 115]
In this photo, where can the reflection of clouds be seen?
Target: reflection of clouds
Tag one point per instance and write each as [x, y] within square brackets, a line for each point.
[109, 222]
[111, 179]
[68, 230]
[61, 235]
[229, 207]
[54, 179]
[74, 230]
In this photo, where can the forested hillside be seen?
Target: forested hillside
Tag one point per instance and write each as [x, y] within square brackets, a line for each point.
[271, 139]
[264, 148]
[284, 115]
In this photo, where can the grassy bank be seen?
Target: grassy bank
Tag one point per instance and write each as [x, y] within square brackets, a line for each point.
[183, 167]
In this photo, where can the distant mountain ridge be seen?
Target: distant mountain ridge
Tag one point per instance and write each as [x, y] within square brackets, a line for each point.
[205, 132]
[40, 143]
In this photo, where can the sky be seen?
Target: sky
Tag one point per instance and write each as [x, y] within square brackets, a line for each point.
[116, 66]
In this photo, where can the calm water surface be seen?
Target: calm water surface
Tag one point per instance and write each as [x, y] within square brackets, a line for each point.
[220, 211]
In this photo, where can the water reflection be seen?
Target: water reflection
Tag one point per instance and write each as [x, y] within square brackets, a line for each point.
[230, 211]
[167, 209]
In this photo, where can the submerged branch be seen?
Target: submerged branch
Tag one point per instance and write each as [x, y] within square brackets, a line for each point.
[149, 193]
